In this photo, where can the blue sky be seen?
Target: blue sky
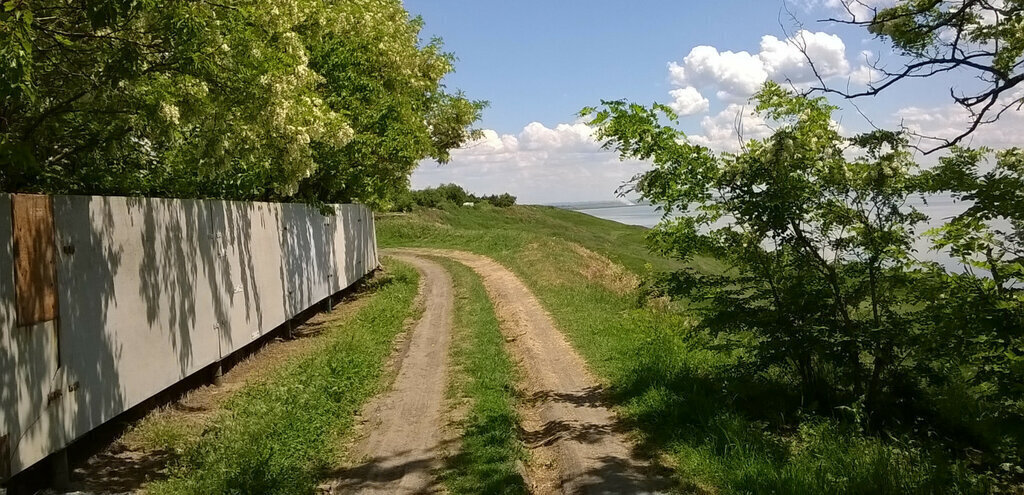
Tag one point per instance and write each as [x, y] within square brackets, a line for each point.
[539, 62]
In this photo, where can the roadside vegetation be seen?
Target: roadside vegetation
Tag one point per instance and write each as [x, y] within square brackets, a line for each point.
[691, 394]
[485, 377]
[448, 195]
[825, 301]
[281, 435]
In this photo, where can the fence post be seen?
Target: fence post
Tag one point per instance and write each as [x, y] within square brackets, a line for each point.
[218, 374]
[60, 471]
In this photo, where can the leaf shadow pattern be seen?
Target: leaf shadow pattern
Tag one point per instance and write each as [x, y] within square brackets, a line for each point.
[152, 291]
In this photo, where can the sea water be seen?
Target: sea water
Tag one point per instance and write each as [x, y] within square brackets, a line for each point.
[939, 210]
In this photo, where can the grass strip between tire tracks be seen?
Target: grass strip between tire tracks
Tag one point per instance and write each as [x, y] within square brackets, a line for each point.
[484, 373]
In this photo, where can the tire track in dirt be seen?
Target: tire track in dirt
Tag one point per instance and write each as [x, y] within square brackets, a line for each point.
[576, 443]
[401, 447]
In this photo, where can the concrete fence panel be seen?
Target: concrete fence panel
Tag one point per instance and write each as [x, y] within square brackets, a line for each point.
[150, 291]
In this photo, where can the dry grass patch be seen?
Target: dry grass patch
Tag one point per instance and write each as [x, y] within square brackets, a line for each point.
[605, 272]
[580, 264]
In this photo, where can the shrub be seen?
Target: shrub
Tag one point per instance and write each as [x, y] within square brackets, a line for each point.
[824, 290]
[447, 195]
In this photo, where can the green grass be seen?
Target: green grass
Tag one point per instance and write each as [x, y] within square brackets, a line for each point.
[722, 430]
[279, 436]
[484, 374]
[497, 231]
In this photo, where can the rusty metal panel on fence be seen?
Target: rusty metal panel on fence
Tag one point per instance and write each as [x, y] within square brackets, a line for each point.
[35, 256]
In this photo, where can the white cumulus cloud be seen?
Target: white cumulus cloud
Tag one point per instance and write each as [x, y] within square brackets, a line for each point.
[788, 59]
[540, 164]
[734, 76]
[688, 101]
[564, 137]
[727, 130]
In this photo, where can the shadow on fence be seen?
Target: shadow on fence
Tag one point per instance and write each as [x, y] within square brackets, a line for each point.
[151, 291]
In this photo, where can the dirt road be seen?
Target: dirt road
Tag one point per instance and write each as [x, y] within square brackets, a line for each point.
[576, 444]
[400, 448]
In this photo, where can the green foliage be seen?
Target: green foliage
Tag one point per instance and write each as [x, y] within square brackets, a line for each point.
[277, 436]
[823, 286]
[244, 99]
[486, 462]
[794, 216]
[376, 73]
[447, 195]
[725, 430]
[997, 194]
[916, 27]
[503, 200]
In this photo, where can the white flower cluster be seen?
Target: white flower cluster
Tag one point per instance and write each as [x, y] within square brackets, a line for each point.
[294, 117]
[170, 113]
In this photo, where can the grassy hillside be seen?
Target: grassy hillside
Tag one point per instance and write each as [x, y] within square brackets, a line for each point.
[723, 430]
[507, 231]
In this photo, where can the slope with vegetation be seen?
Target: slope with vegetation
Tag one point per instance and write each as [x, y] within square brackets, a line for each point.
[699, 397]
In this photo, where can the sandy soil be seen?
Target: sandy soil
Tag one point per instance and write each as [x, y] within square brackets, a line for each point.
[576, 443]
[401, 445]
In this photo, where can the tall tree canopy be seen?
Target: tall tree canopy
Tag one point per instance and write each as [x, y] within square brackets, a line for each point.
[984, 38]
[317, 100]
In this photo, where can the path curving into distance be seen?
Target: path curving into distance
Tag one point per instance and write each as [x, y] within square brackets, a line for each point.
[401, 447]
[576, 443]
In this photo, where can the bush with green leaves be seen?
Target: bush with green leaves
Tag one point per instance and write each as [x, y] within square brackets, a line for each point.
[503, 200]
[446, 195]
[824, 287]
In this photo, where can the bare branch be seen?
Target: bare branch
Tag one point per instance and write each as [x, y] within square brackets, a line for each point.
[941, 40]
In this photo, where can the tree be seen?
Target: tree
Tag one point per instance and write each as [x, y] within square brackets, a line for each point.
[446, 195]
[503, 200]
[984, 38]
[241, 99]
[995, 196]
[378, 75]
[818, 242]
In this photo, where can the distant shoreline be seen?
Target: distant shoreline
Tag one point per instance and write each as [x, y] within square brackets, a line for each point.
[938, 208]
